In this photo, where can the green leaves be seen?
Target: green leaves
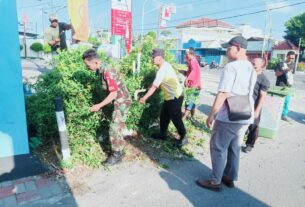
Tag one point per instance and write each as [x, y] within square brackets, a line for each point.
[296, 29]
[80, 89]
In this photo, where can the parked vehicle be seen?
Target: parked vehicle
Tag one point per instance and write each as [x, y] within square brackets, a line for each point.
[201, 61]
[214, 65]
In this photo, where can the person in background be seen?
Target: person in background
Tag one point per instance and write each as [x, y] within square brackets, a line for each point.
[192, 84]
[259, 94]
[119, 96]
[238, 78]
[282, 73]
[55, 35]
[167, 79]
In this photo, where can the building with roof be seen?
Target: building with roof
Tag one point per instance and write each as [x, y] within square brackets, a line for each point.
[206, 35]
[256, 46]
[281, 49]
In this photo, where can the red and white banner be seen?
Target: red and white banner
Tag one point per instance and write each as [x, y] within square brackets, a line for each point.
[121, 20]
[166, 13]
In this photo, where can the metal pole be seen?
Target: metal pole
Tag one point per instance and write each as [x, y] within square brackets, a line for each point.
[159, 22]
[61, 123]
[42, 22]
[143, 20]
[297, 60]
[265, 34]
[24, 39]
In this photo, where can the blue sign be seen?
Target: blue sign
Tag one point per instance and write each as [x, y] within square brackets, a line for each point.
[192, 43]
[13, 131]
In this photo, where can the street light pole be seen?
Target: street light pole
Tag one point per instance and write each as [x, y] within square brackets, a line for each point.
[143, 20]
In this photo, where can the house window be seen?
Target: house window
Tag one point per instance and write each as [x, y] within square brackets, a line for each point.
[281, 56]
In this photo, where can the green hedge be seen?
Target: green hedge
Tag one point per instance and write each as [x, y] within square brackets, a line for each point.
[37, 47]
[80, 89]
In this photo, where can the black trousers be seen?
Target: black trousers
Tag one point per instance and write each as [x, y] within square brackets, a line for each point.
[171, 111]
[252, 134]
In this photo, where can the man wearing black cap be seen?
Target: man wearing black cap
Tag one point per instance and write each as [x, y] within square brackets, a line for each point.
[168, 80]
[55, 35]
[238, 79]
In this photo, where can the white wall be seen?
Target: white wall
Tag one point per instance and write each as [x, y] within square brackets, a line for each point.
[29, 42]
[204, 34]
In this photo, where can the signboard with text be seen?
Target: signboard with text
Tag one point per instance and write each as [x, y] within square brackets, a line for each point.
[121, 20]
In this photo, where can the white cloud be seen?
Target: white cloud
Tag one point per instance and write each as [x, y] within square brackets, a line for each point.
[285, 4]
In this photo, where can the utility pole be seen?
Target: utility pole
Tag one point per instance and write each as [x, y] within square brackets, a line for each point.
[159, 21]
[25, 21]
[267, 24]
[297, 60]
[42, 20]
[143, 6]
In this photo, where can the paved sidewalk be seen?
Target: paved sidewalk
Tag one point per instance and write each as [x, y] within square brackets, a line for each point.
[32, 68]
[35, 191]
[271, 175]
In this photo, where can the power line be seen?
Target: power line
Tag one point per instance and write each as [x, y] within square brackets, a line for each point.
[178, 6]
[235, 16]
[219, 12]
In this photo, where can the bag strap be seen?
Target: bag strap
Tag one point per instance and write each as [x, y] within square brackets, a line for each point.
[251, 76]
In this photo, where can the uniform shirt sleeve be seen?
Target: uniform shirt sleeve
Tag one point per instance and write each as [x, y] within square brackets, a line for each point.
[112, 85]
[159, 77]
[265, 84]
[227, 79]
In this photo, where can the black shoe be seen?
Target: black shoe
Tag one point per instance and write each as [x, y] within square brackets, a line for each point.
[115, 158]
[227, 181]
[159, 136]
[182, 142]
[246, 149]
[285, 118]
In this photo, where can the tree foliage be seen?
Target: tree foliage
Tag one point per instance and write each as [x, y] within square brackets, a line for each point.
[296, 30]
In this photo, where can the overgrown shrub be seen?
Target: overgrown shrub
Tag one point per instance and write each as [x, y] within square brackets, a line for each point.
[273, 63]
[47, 49]
[20, 47]
[80, 89]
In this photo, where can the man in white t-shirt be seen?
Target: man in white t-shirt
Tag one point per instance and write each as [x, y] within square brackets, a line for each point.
[167, 79]
[238, 78]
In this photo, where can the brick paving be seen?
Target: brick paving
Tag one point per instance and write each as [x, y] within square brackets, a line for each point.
[25, 191]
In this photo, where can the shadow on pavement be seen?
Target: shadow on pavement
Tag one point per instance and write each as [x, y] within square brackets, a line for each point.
[181, 175]
[204, 109]
[296, 116]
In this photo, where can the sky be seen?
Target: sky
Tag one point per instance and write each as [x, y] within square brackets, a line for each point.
[100, 13]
